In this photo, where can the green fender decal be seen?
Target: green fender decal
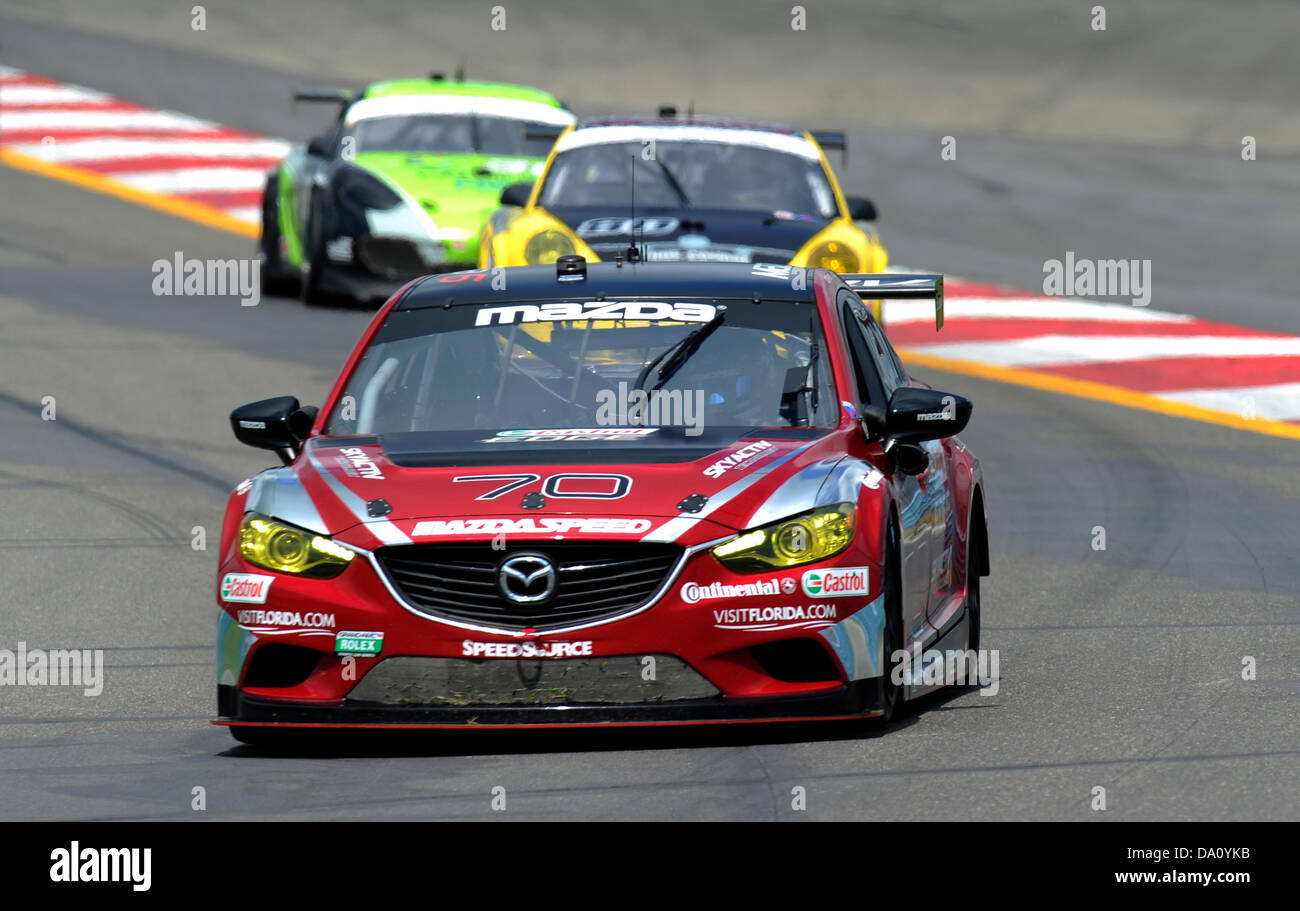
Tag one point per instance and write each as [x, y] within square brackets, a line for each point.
[287, 211]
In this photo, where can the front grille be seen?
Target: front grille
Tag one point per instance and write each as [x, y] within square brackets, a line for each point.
[614, 680]
[390, 257]
[594, 580]
[398, 258]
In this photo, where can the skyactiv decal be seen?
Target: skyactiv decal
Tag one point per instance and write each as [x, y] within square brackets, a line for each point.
[356, 463]
[740, 458]
[616, 310]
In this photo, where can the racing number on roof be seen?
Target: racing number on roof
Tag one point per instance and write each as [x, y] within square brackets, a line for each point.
[567, 485]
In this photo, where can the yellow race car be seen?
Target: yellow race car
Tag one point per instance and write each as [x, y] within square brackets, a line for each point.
[676, 189]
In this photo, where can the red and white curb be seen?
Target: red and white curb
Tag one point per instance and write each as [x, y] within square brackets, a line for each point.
[159, 152]
[1245, 372]
[1182, 359]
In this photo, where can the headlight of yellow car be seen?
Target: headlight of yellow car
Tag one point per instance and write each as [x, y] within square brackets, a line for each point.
[813, 536]
[834, 255]
[270, 544]
[545, 247]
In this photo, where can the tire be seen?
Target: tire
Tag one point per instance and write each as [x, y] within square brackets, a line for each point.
[277, 278]
[890, 694]
[314, 258]
[975, 558]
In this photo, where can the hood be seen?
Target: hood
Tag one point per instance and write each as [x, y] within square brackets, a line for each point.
[693, 235]
[457, 190]
[356, 484]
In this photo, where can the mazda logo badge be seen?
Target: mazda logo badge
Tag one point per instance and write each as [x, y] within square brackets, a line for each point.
[526, 579]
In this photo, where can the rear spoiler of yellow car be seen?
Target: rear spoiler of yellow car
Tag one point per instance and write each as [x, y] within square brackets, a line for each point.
[900, 287]
[831, 140]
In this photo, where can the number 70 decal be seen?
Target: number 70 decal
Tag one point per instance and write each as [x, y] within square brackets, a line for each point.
[565, 486]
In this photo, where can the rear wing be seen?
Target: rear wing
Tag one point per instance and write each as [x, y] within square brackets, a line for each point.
[831, 140]
[327, 95]
[900, 287]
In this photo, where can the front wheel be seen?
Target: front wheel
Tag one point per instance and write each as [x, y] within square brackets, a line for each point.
[277, 278]
[313, 260]
[974, 559]
[891, 692]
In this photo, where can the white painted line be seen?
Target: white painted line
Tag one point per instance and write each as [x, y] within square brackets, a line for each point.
[96, 120]
[33, 95]
[918, 311]
[110, 149]
[192, 180]
[1048, 350]
[1279, 402]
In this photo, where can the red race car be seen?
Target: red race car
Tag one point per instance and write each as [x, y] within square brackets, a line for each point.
[604, 494]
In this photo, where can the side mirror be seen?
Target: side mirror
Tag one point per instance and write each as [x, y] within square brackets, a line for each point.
[861, 208]
[916, 414]
[516, 194]
[278, 424]
[320, 147]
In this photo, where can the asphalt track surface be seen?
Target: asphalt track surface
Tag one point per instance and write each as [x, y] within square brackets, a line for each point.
[1118, 668]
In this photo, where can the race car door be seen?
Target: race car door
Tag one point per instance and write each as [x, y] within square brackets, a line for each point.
[876, 384]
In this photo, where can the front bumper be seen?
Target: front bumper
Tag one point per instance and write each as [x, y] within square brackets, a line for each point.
[858, 699]
[768, 652]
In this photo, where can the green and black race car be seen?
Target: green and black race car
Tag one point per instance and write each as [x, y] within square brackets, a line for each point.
[401, 185]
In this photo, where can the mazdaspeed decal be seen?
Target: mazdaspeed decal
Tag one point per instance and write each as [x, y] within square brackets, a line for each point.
[657, 311]
[848, 580]
[599, 525]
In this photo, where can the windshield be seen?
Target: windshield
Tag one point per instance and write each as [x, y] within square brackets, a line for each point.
[699, 174]
[450, 133]
[477, 376]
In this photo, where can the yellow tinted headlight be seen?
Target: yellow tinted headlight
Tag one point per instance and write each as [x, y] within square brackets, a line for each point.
[270, 544]
[545, 247]
[834, 255]
[814, 536]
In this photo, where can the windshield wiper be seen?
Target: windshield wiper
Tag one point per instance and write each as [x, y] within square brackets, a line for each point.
[676, 355]
[674, 183]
